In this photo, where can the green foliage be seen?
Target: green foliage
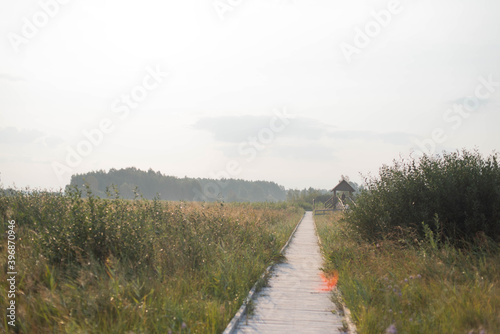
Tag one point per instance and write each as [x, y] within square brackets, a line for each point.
[304, 205]
[419, 252]
[133, 183]
[306, 197]
[91, 265]
[462, 189]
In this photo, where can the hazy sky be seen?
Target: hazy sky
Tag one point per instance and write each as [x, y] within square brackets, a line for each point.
[292, 91]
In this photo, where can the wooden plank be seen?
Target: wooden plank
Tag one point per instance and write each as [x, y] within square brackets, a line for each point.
[296, 299]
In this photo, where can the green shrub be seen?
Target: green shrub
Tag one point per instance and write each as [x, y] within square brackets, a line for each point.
[304, 205]
[457, 195]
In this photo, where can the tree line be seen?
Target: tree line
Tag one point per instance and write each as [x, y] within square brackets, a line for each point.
[130, 183]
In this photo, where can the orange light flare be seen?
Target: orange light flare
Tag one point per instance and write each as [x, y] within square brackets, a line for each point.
[329, 280]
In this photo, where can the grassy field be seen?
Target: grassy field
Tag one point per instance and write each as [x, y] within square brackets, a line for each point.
[116, 266]
[407, 284]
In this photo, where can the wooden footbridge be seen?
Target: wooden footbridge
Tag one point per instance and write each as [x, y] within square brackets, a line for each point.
[297, 299]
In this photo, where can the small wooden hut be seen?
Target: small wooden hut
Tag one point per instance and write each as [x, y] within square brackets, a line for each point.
[343, 186]
[331, 204]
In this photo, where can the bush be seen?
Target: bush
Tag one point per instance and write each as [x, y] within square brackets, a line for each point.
[456, 195]
[304, 205]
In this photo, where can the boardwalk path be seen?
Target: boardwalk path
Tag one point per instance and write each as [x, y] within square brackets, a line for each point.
[296, 299]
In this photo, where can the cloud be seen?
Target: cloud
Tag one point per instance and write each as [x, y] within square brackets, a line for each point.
[49, 141]
[232, 129]
[394, 138]
[472, 102]
[236, 129]
[309, 152]
[308, 128]
[8, 77]
[14, 136]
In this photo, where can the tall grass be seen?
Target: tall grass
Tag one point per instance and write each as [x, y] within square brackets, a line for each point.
[414, 285]
[116, 266]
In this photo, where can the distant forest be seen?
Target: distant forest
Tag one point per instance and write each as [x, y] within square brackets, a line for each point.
[130, 183]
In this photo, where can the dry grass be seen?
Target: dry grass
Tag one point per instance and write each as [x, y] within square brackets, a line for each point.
[114, 266]
[419, 286]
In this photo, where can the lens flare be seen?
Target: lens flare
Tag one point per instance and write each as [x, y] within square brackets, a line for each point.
[330, 280]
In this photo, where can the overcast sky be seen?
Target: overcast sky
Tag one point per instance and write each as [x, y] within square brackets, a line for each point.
[292, 91]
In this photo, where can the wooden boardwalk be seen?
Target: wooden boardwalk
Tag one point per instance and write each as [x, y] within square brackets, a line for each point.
[296, 299]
